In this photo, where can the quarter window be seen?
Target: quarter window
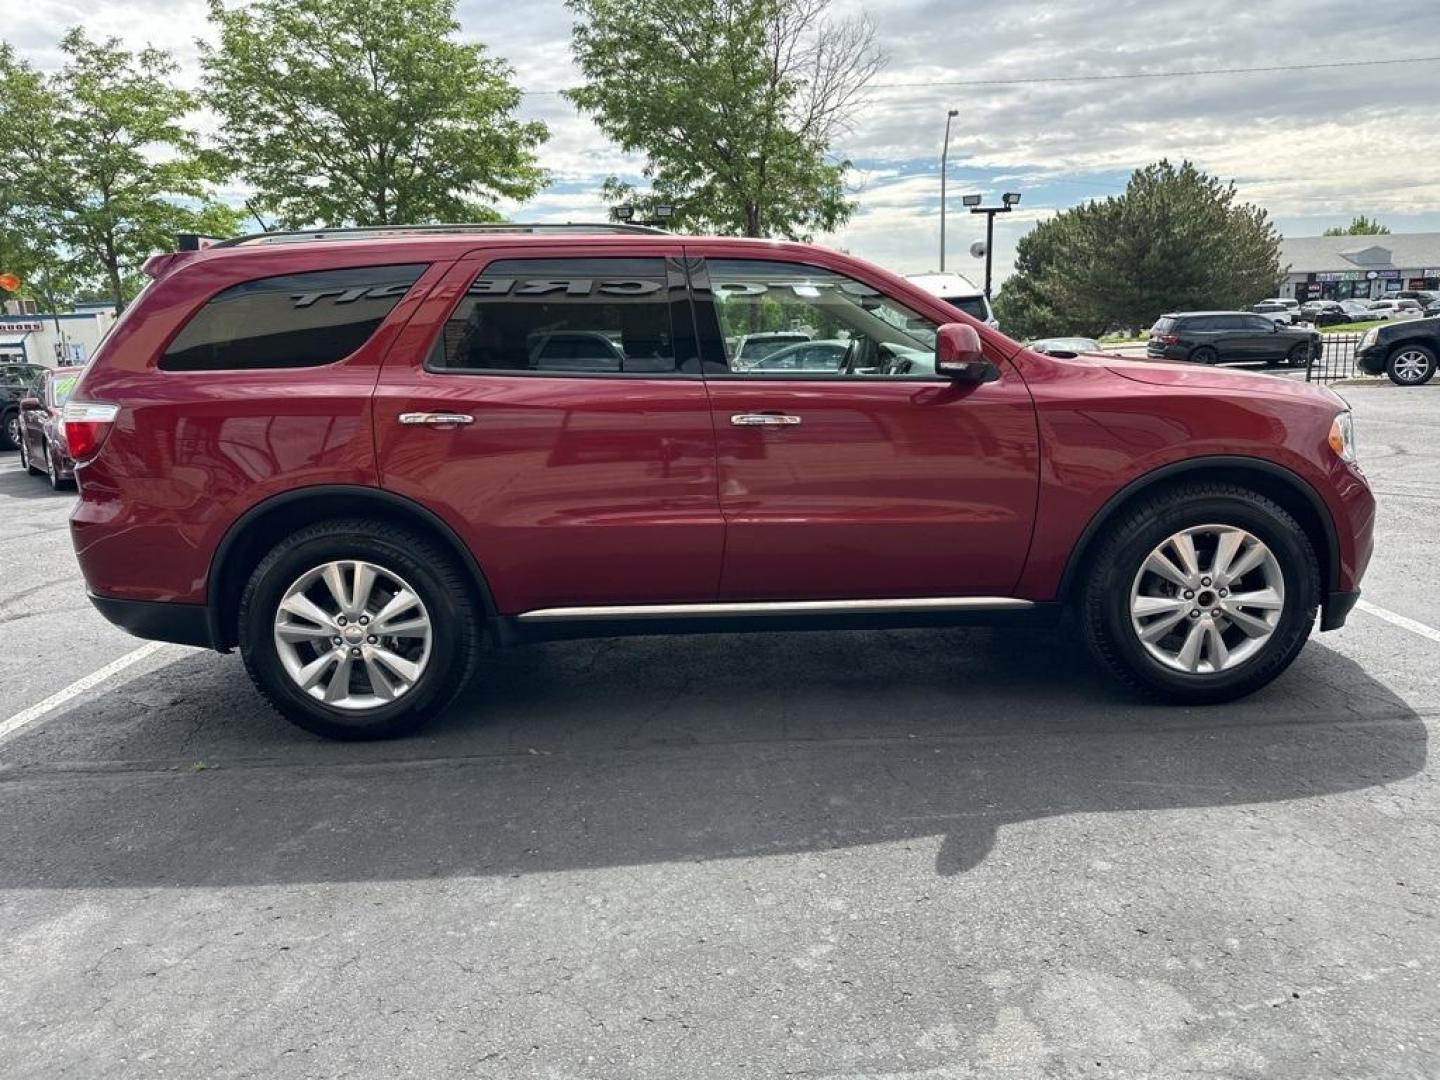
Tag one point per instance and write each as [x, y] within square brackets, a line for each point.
[565, 317]
[822, 323]
[295, 320]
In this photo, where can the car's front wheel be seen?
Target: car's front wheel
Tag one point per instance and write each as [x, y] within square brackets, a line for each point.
[1299, 356]
[358, 629]
[1411, 365]
[1202, 594]
[10, 431]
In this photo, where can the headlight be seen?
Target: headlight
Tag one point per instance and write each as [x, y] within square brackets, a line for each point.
[1342, 437]
[1370, 337]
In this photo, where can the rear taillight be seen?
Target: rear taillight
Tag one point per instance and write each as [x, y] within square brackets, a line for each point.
[1168, 339]
[86, 426]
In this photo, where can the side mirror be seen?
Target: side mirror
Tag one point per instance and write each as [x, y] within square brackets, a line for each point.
[958, 355]
[30, 403]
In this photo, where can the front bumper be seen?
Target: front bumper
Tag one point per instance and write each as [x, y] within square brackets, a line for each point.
[1372, 359]
[183, 624]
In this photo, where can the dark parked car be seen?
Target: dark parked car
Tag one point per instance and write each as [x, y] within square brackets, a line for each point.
[372, 478]
[1405, 351]
[1226, 337]
[17, 382]
[43, 448]
[1324, 313]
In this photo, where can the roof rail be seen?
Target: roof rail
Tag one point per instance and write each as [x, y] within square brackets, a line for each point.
[370, 232]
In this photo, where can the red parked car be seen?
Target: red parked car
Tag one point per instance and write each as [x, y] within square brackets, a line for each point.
[359, 456]
[43, 447]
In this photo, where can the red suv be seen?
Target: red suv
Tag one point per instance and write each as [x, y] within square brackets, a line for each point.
[359, 456]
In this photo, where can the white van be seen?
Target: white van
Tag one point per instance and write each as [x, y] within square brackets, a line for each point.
[958, 291]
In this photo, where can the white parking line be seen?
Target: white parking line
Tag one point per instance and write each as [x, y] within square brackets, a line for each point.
[1401, 621]
[76, 688]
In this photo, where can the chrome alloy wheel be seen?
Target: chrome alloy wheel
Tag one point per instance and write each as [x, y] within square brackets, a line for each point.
[1410, 366]
[1207, 599]
[352, 634]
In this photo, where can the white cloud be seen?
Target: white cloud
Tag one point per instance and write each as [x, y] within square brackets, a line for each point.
[1314, 147]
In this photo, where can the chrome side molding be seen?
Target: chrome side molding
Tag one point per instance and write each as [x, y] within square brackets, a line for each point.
[907, 605]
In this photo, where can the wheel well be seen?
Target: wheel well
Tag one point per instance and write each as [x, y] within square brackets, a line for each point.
[1275, 483]
[265, 525]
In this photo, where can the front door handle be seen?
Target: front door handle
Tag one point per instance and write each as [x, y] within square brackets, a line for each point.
[763, 419]
[436, 419]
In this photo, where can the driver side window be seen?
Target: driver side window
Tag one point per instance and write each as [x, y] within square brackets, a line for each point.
[786, 320]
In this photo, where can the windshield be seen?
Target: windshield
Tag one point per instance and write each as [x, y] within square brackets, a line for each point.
[61, 387]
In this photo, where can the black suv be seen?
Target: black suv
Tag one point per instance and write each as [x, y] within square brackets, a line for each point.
[17, 382]
[1225, 337]
[1406, 351]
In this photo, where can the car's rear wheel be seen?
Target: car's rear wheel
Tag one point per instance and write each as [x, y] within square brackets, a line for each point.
[25, 462]
[1411, 365]
[358, 629]
[1202, 594]
[10, 431]
[1204, 355]
[52, 471]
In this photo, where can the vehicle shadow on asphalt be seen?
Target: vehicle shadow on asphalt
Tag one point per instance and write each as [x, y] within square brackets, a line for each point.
[641, 751]
[16, 483]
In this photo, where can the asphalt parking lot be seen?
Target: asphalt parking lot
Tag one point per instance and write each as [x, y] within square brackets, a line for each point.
[923, 854]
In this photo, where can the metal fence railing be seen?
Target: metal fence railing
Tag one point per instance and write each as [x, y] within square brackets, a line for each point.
[1336, 360]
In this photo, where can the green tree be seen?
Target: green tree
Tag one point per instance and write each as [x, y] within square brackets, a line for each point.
[366, 112]
[105, 169]
[1360, 225]
[1176, 239]
[734, 103]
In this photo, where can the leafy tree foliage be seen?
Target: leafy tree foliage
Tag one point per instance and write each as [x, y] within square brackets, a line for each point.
[1360, 225]
[1177, 239]
[105, 171]
[366, 112]
[734, 104]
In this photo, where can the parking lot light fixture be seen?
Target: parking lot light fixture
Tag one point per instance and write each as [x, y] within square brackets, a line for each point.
[1008, 202]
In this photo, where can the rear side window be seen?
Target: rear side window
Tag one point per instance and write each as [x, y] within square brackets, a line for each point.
[974, 306]
[564, 317]
[1162, 326]
[296, 320]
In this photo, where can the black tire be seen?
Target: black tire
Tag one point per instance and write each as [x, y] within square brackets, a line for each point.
[1205, 355]
[1299, 356]
[1400, 371]
[26, 463]
[52, 472]
[1105, 593]
[10, 430]
[431, 572]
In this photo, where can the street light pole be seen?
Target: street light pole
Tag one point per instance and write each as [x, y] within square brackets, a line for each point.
[944, 155]
[1007, 203]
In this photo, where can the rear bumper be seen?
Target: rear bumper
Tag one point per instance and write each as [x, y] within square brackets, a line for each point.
[183, 624]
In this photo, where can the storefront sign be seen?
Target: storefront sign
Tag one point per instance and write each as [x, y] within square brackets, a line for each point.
[20, 327]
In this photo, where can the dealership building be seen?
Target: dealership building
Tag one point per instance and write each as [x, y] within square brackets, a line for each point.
[1359, 267]
[53, 339]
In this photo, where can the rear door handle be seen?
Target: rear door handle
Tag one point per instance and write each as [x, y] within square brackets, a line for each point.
[436, 419]
[763, 419]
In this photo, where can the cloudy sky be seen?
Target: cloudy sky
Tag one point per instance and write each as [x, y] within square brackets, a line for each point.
[1312, 146]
